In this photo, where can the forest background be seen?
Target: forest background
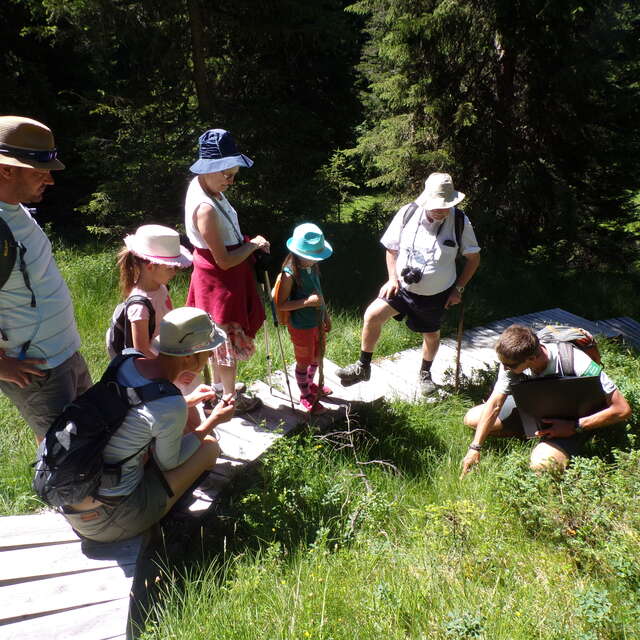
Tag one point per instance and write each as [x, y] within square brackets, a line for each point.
[532, 106]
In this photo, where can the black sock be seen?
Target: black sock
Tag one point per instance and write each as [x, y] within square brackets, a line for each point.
[426, 365]
[365, 358]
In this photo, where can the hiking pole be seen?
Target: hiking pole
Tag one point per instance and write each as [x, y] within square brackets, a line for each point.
[322, 345]
[278, 336]
[459, 345]
[267, 347]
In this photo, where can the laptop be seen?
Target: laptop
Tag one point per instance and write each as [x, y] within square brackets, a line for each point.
[568, 397]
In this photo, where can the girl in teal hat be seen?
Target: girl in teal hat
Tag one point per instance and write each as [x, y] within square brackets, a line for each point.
[298, 298]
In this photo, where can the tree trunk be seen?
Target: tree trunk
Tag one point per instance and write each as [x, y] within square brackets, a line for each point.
[198, 57]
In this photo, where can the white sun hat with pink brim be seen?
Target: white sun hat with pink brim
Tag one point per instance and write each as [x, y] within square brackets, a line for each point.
[159, 245]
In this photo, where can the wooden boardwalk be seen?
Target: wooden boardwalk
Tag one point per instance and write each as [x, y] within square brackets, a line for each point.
[54, 586]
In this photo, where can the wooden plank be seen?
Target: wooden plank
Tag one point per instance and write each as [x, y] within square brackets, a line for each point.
[335, 408]
[377, 388]
[275, 414]
[241, 440]
[627, 327]
[107, 620]
[48, 527]
[51, 595]
[70, 557]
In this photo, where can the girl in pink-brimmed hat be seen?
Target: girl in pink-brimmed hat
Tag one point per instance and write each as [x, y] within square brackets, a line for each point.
[147, 263]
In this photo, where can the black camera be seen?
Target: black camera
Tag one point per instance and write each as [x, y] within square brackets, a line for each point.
[411, 275]
[262, 260]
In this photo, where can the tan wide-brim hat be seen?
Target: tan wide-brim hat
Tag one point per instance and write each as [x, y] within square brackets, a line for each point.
[27, 143]
[439, 193]
[187, 330]
[160, 245]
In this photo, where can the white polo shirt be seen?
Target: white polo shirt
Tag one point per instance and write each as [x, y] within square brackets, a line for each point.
[421, 244]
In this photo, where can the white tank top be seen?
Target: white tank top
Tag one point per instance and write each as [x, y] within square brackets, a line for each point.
[228, 224]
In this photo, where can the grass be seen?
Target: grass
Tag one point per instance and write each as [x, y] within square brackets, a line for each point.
[324, 547]
[322, 544]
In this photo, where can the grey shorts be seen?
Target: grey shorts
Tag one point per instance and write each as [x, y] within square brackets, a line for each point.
[44, 398]
[129, 516]
[512, 423]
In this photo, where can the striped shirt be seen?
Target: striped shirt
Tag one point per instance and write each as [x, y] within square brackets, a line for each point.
[50, 327]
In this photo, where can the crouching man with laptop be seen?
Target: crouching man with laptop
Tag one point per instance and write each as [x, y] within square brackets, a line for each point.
[534, 397]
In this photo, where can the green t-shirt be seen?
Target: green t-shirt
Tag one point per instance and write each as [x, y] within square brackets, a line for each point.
[309, 283]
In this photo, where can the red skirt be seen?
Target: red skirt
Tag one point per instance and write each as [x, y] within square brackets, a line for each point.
[228, 296]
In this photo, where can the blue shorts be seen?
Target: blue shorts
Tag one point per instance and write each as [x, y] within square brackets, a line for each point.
[512, 423]
[424, 313]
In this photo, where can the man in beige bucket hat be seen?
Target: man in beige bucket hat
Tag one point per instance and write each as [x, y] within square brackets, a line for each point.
[41, 369]
[145, 492]
[421, 244]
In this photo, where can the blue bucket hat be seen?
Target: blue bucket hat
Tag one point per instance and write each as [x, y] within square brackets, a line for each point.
[308, 242]
[218, 152]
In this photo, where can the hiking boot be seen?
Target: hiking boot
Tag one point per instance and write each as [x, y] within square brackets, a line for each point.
[354, 373]
[315, 390]
[426, 384]
[246, 404]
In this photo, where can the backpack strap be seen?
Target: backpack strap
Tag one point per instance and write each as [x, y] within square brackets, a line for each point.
[458, 223]
[10, 249]
[145, 393]
[408, 214]
[137, 299]
[459, 227]
[565, 353]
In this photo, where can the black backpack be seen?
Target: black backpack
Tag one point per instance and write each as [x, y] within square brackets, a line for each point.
[458, 223]
[119, 336]
[69, 465]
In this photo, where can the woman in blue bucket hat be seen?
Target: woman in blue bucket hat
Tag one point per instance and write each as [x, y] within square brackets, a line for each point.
[298, 295]
[222, 282]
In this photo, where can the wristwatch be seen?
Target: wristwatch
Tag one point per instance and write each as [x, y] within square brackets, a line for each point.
[475, 447]
[460, 290]
[578, 427]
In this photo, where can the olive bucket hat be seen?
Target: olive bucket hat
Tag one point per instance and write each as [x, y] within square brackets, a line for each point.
[27, 143]
[187, 330]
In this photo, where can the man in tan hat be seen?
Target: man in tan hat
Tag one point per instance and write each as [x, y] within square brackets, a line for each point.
[422, 243]
[40, 368]
[145, 493]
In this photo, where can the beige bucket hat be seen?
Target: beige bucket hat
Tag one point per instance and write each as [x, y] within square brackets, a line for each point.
[27, 143]
[439, 193]
[160, 245]
[187, 330]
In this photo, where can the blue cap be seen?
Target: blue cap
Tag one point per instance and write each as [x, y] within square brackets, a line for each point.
[218, 152]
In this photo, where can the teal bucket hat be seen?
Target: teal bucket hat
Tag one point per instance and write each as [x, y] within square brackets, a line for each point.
[308, 242]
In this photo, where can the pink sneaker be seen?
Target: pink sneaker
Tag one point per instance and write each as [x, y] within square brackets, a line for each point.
[308, 405]
[315, 390]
